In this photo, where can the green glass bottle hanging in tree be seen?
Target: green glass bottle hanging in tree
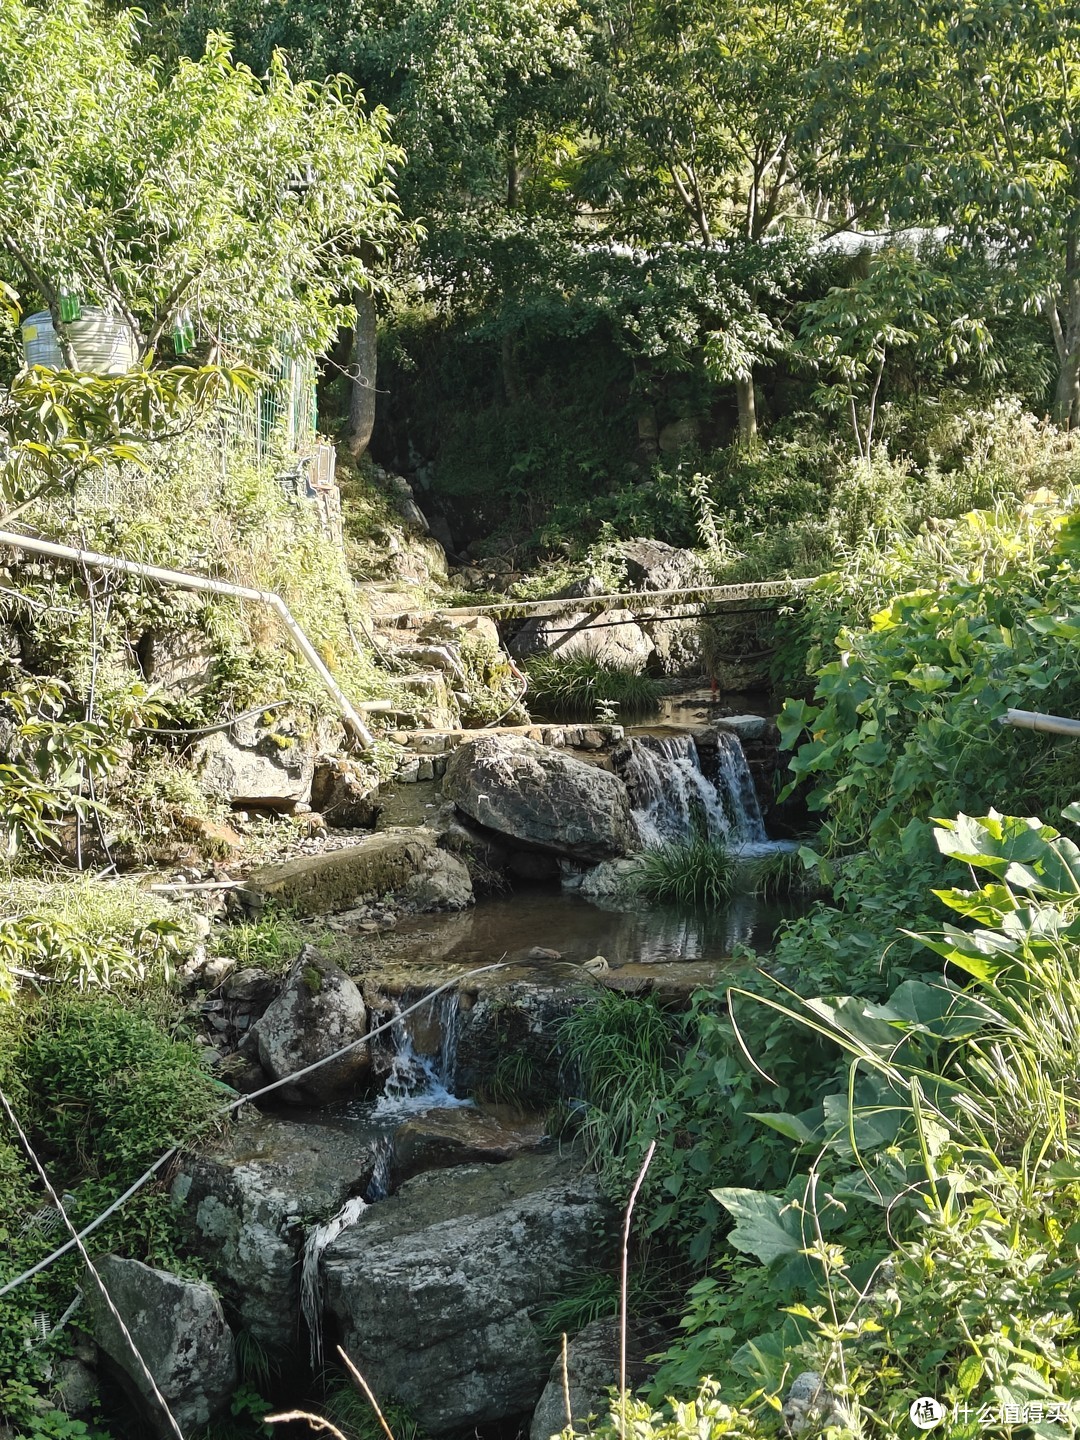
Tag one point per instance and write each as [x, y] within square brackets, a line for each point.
[183, 333]
[67, 302]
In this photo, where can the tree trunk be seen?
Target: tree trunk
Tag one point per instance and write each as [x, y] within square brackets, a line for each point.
[744, 395]
[363, 368]
[1067, 393]
[511, 389]
[1067, 334]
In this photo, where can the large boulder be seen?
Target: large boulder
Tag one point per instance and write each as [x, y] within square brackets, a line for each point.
[542, 798]
[179, 1329]
[613, 637]
[592, 1369]
[248, 1202]
[407, 862]
[344, 793]
[676, 638]
[435, 1289]
[253, 766]
[652, 565]
[319, 1011]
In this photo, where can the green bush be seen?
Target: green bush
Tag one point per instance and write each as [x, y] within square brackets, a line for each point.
[926, 1244]
[109, 1090]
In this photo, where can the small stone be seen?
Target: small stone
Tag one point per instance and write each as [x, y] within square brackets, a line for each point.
[216, 969]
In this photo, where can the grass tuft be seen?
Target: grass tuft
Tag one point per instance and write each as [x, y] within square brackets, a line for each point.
[779, 875]
[689, 872]
[581, 687]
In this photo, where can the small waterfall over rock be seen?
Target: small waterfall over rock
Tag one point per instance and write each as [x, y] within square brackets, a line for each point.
[311, 1299]
[735, 785]
[420, 1078]
[673, 799]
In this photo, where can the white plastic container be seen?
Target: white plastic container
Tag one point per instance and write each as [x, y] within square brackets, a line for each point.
[103, 343]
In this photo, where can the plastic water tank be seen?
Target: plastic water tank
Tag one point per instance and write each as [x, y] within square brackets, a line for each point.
[103, 343]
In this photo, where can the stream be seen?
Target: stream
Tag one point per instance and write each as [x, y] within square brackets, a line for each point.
[430, 1212]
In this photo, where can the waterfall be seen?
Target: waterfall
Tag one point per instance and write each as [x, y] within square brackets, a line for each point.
[378, 1187]
[736, 785]
[311, 1304]
[418, 1080]
[673, 799]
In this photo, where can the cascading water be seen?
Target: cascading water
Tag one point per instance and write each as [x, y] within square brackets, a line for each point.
[415, 1081]
[673, 799]
[735, 785]
[311, 1300]
[419, 1081]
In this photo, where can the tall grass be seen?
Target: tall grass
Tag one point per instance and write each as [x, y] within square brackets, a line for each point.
[580, 687]
[699, 871]
[622, 1054]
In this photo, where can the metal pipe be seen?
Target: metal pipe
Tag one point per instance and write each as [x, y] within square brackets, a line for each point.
[1046, 724]
[183, 581]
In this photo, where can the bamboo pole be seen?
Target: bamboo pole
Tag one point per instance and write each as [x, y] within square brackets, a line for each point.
[579, 604]
[181, 580]
[1035, 720]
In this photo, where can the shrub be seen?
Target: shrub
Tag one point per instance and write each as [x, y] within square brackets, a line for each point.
[108, 1089]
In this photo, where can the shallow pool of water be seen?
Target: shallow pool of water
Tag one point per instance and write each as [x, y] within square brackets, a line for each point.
[579, 929]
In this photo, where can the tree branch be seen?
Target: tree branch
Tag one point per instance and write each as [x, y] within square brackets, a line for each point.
[49, 295]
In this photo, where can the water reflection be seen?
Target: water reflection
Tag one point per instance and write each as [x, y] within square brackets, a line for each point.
[579, 929]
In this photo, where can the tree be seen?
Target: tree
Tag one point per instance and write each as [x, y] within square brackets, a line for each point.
[969, 116]
[701, 109]
[203, 193]
[904, 300]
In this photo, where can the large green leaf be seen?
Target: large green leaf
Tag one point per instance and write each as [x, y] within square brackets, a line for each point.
[766, 1225]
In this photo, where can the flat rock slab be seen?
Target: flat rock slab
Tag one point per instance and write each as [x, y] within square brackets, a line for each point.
[442, 1139]
[407, 863]
[673, 984]
[435, 1289]
[746, 727]
[249, 1201]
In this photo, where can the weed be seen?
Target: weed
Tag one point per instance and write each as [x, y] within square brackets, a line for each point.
[272, 942]
[353, 1415]
[775, 876]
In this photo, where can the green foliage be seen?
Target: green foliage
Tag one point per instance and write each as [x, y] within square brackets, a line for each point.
[704, 1417]
[108, 1088]
[103, 1089]
[60, 427]
[620, 1051]
[351, 1412]
[202, 190]
[698, 871]
[779, 875]
[904, 723]
[582, 687]
[952, 1129]
[272, 942]
[53, 760]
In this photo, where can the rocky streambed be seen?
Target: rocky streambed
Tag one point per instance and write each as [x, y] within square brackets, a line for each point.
[391, 1199]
